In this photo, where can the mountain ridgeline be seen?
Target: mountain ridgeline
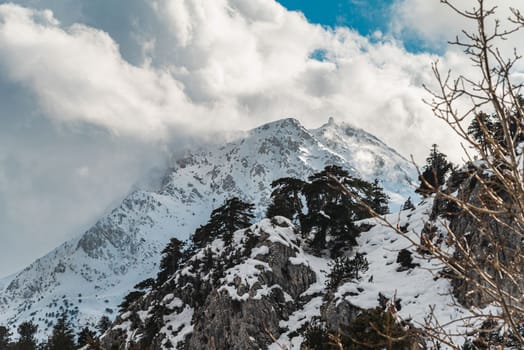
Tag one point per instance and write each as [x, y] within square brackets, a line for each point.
[92, 273]
[324, 271]
[234, 283]
[274, 241]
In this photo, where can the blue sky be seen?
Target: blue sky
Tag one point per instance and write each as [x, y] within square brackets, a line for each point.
[364, 16]
[361, 15]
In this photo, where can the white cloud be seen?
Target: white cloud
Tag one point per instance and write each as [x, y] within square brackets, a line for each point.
[77, 74]
[435, 23]
[229, 65]
[161, 70]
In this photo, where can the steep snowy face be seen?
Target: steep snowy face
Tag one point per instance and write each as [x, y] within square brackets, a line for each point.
[286, 149]
[370, 157]
[90, 274]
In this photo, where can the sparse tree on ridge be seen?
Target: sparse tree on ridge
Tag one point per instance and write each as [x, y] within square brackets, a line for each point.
[233, 215]
[434, 172]
[85, 336]
[330, 210]
[103, 324]
[172, 255]
[481, 129]
[5, 338]
[286, 198]
[62, 337]
[27, 340]
[408, 205]
[378, 199]
[333, 200]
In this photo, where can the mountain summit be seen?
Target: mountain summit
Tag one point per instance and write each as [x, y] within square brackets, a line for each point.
[90, 274]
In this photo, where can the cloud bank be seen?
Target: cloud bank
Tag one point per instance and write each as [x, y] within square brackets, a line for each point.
[96, 92]
[209, 65]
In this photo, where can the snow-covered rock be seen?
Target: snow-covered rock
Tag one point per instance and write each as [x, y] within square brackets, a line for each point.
[262, 290]
[90, 274]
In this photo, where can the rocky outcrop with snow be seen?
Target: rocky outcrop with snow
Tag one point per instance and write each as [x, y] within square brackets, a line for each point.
[89, 275]
[265, 289]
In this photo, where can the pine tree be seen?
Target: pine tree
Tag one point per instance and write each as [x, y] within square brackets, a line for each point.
[26, 331]
[286, 198]
[378, 199]
[129, 299]
[145, 284]
[376, 329]
[62, 337]
[329, 207]
[233, 215]
[154, 322]
[172, 256]
[335, 200]
[5, 337]
[435, 171]
[513, 123]
[482, 127]
[103, 324]
[357, 265]
[346, 269]
[84, 337]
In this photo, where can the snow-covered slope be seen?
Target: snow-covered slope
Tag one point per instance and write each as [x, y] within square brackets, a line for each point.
[370, 157]
[267, 278]
[90, 274]
[420, 290]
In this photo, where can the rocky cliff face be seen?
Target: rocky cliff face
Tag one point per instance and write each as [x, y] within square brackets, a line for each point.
[265, 290]
[90, 274]
[486, 238]
[236, 294]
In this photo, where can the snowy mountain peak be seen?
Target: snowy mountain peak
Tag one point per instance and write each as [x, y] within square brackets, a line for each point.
[92, 273]
[370, 157]
[286, 123]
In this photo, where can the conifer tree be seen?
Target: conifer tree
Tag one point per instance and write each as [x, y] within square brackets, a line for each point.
[408, 204]
[172, 256]
[103, 324]
[155, 322]
[329, 208]
[346, 269]
[27, 340]
[378, 199]
[357, 265]
[376, 329]
[62, 337]
[5, 337]
[145, 284]
[129, 299]
[286, 198]
[482, 127]
[335, 200]
[435, 171]
[84, 337]
[233, 215]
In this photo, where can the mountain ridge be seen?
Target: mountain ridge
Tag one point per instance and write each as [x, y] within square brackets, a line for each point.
[91, 273]
[264, 288]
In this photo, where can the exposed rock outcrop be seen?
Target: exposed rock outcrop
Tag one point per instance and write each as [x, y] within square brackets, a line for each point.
[248, 287]
[262, 289]
[487, 239]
